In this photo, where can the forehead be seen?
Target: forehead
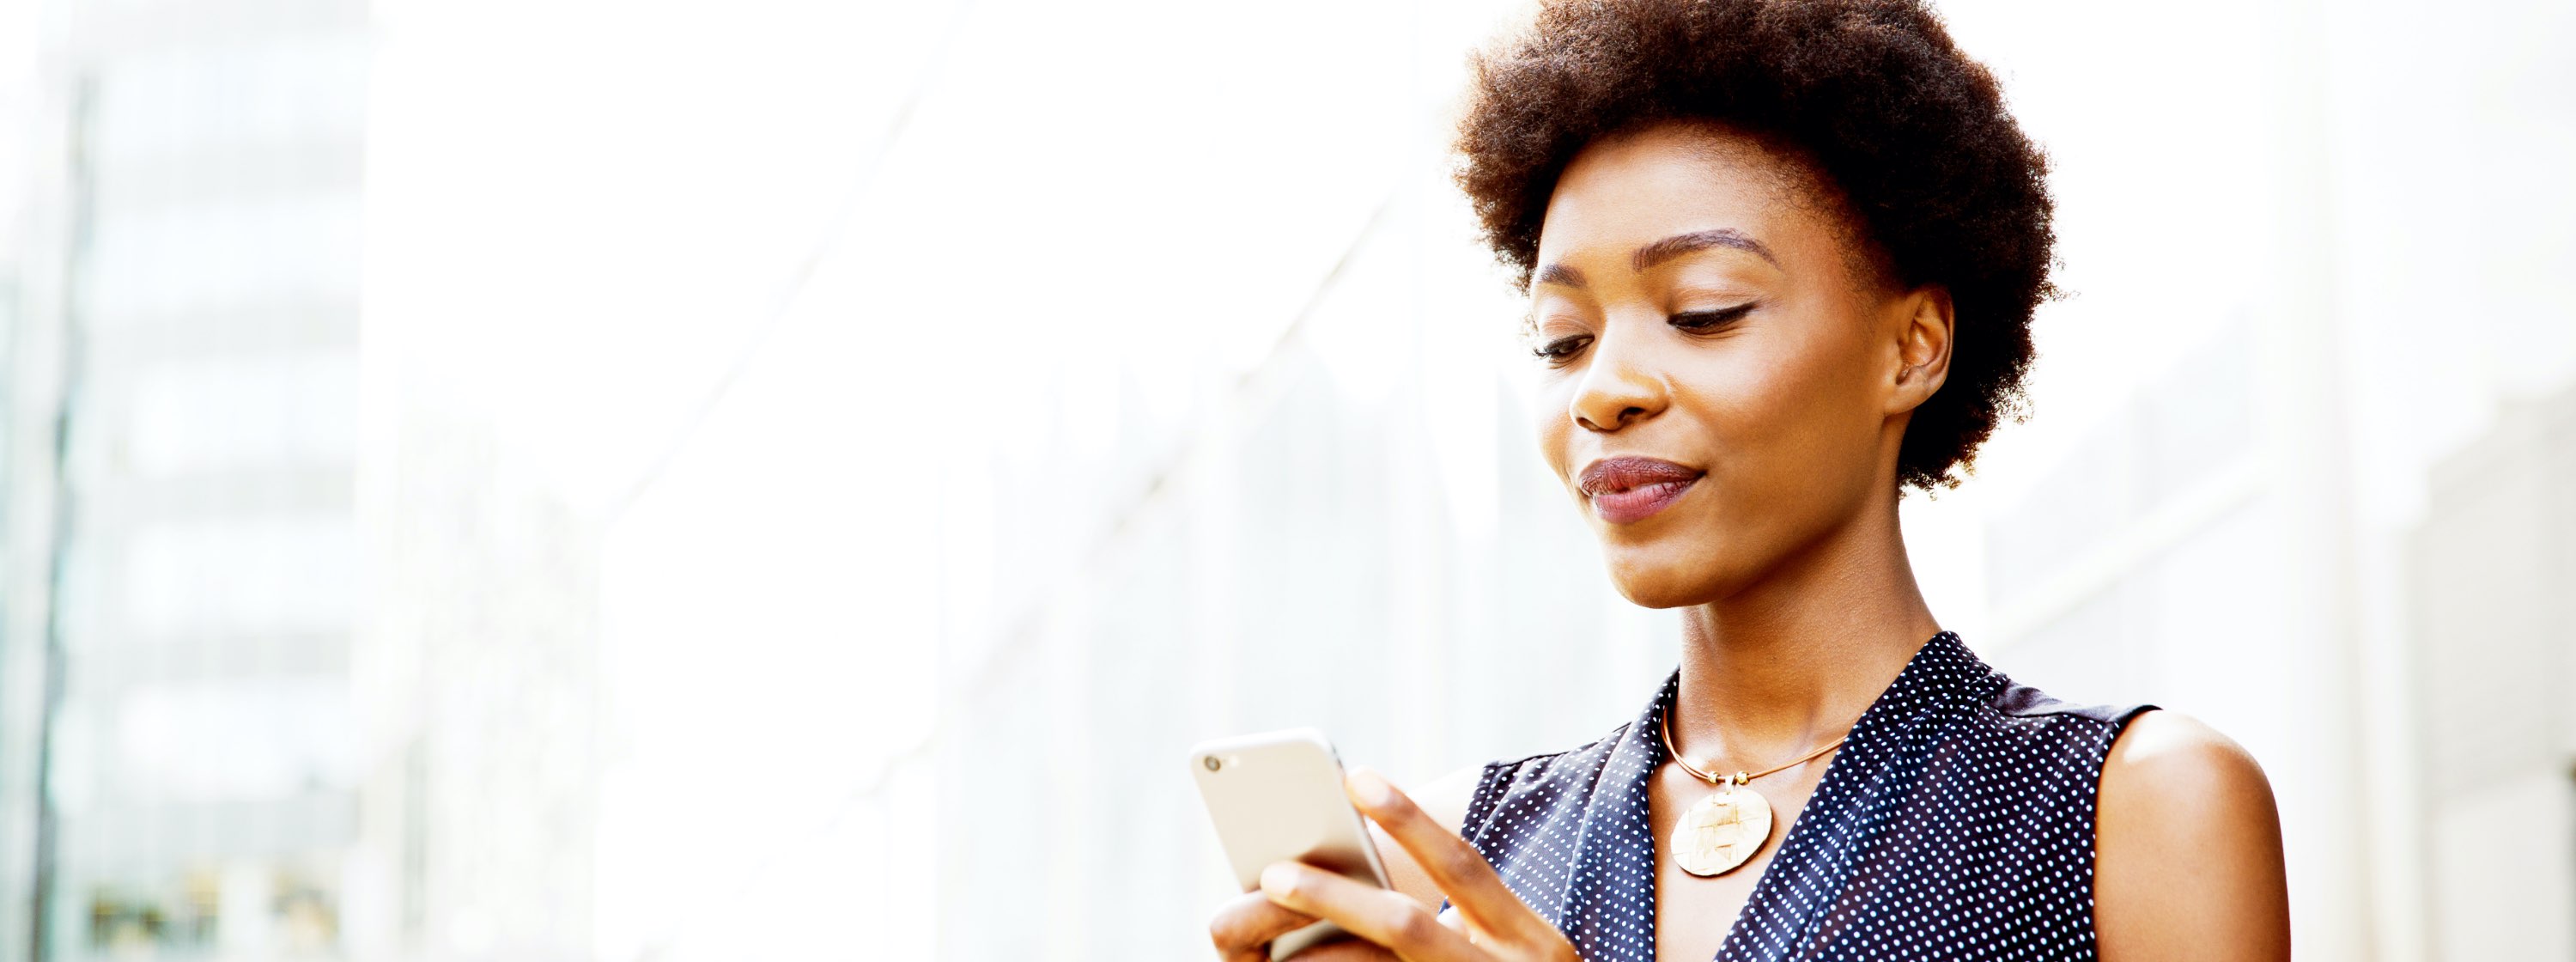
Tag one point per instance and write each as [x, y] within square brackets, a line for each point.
[1670, 178]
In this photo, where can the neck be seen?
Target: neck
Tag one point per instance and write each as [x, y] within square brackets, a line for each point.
[1790, 662]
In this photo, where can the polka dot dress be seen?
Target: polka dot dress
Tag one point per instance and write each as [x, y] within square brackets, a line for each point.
[1957, 823]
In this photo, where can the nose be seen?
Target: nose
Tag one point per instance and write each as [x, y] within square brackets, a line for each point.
[1617, 389]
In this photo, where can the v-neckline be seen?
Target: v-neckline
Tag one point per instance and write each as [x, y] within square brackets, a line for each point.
[1800, 853]
[1764, 885]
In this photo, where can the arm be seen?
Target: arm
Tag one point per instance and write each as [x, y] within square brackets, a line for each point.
[2187, 851]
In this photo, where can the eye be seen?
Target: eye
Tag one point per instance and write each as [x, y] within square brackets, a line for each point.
[1711, 320]
[1558, 350]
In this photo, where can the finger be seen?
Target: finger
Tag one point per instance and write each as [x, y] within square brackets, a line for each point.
[1462, 874]
[1343, 950]
[1449, 916]
[1384, 916]
[1243, 927]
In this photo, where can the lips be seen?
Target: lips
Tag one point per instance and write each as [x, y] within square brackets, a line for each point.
[1629, 489]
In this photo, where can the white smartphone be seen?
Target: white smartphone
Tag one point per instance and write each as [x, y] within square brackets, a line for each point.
[1277, 796]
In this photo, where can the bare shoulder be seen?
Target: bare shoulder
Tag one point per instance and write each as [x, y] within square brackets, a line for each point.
[1445, 799]
[2163, 758]
[2187, 847]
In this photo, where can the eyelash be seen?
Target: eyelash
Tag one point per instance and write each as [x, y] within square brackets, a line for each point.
[1562, 349]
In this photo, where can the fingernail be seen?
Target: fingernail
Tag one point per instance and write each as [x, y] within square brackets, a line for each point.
[1371, 790]
[1279, 881]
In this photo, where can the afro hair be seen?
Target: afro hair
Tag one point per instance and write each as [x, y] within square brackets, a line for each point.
[1871, 95]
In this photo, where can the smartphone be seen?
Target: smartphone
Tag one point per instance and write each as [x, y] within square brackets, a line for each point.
[1277, 796]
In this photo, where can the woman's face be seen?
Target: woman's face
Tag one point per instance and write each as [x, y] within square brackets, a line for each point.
[1725, 384]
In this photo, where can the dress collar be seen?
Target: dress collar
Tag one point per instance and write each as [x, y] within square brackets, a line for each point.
[1614, 868]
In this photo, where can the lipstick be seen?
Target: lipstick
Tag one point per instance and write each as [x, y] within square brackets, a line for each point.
[1628, 489]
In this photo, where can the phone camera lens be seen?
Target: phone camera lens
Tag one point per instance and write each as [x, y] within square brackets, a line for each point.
[1212, 763]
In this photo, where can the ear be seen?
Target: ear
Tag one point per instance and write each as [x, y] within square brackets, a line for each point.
[1923, 330]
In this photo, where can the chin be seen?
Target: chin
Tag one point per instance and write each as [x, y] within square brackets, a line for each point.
[1657, 580]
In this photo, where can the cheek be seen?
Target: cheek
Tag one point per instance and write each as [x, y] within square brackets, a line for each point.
[1785, 406]
[1552, 423]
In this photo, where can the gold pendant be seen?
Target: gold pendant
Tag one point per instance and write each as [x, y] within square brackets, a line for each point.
[1722, 831]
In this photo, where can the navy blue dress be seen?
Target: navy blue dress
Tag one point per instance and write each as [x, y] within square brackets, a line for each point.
[1956, 823]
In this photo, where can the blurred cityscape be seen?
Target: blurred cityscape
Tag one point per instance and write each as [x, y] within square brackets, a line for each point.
[560, 480]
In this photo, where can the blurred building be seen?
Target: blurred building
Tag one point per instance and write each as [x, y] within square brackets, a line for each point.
[182, 563]
[791, 479]
[2492, 571]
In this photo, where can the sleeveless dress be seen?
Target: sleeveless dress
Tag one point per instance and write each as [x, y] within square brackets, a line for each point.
[1956, 823]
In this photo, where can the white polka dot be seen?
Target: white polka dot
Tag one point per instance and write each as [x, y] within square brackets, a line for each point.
[1957, 822]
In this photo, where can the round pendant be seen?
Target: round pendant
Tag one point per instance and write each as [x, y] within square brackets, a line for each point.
[1721, 831]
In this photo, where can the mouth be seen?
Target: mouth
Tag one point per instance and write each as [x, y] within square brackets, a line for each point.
[1625, 490]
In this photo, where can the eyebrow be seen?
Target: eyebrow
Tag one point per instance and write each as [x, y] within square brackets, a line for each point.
[1680, 244]
[1664, 250]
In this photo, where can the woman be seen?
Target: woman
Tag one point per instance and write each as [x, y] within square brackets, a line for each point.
[1782, 259]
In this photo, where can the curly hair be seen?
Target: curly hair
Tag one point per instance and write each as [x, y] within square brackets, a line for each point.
[1941, 186]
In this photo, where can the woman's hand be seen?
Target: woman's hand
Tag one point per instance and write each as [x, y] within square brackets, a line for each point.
[1485, 922]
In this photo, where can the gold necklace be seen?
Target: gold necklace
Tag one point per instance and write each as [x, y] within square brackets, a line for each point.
[1729, 825]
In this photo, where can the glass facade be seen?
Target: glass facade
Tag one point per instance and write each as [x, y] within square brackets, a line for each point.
[196, 249]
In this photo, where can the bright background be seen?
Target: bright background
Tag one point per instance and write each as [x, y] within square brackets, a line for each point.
[562, 479]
